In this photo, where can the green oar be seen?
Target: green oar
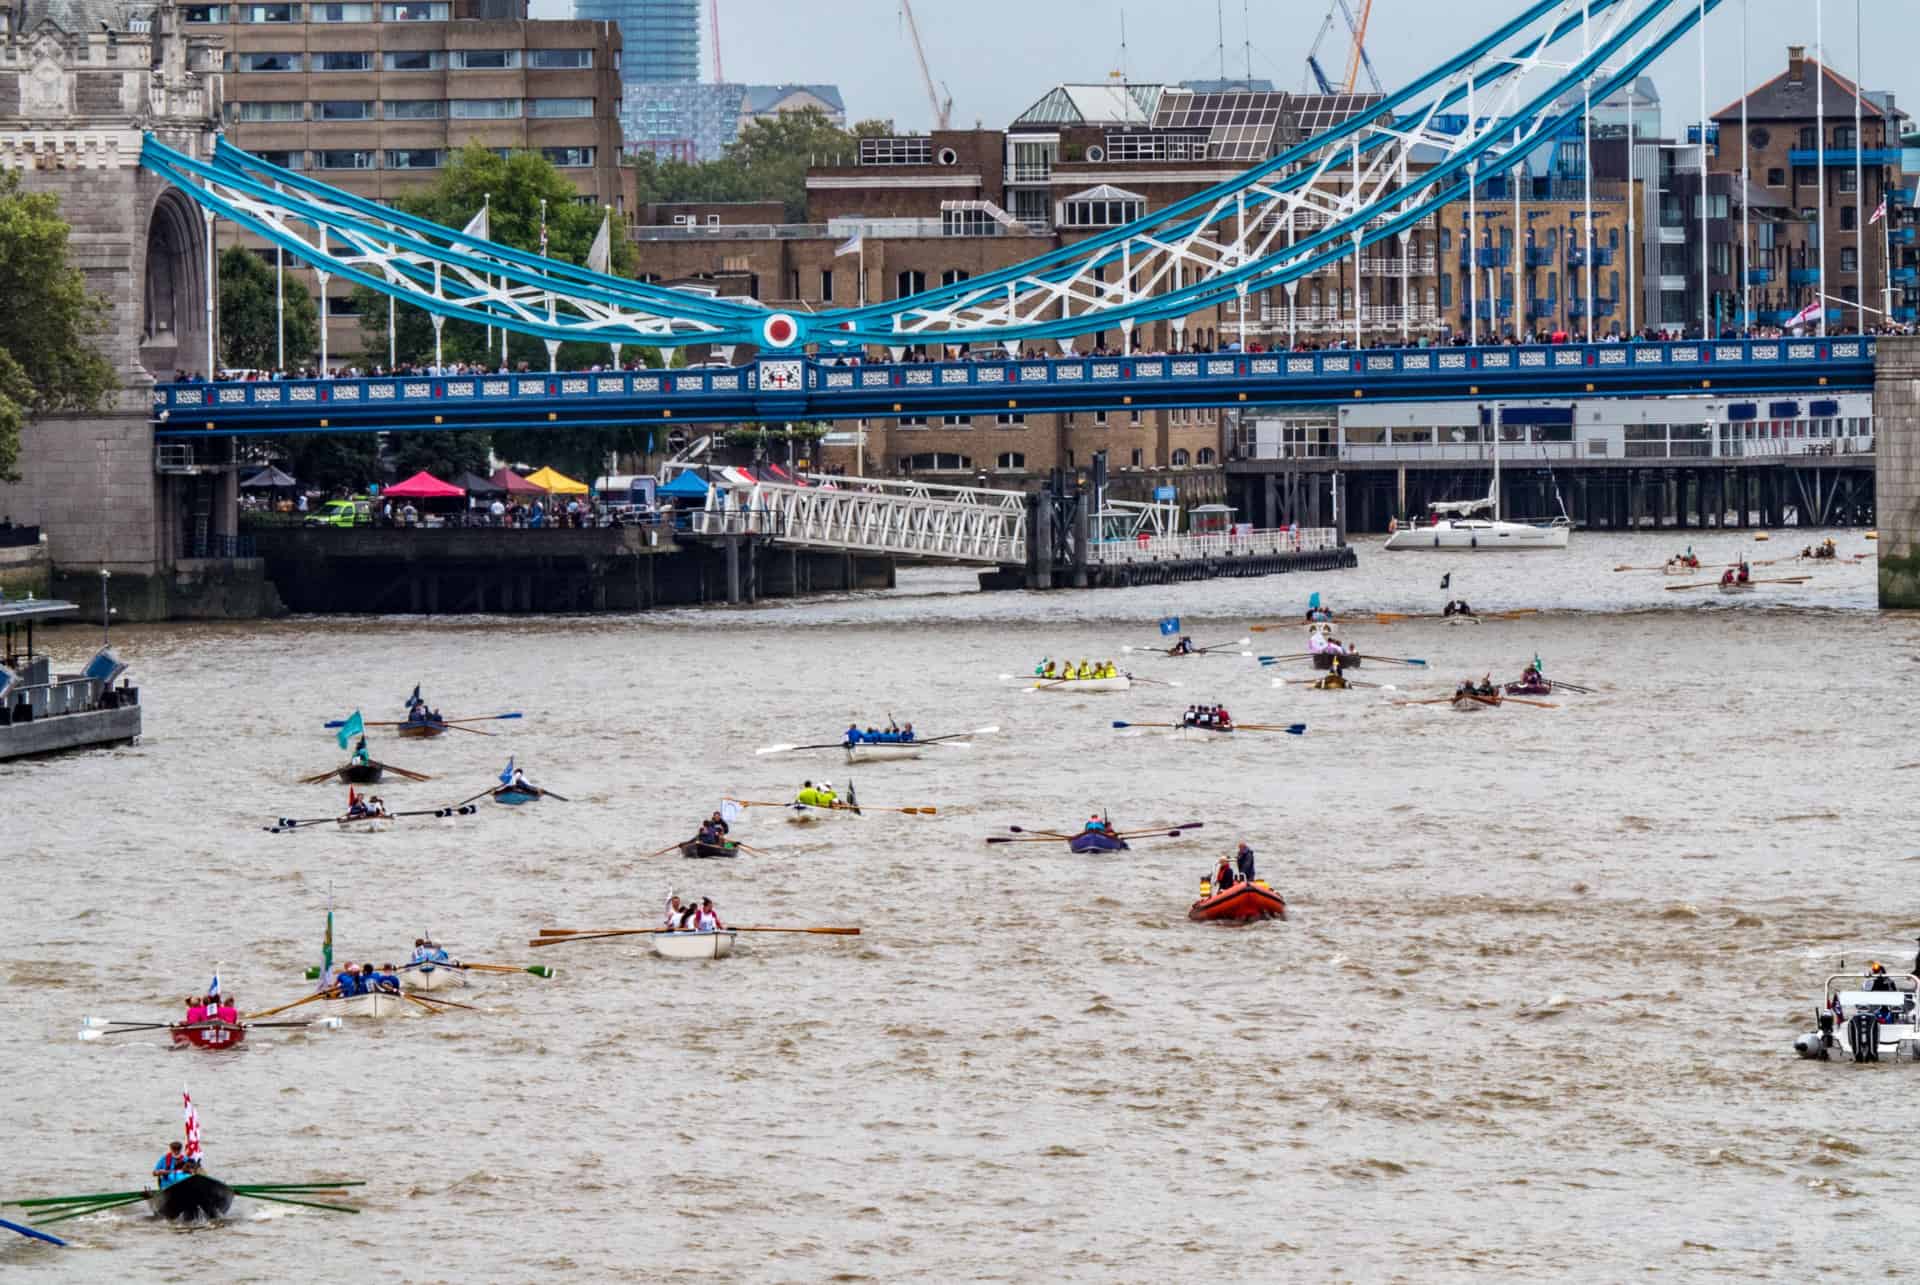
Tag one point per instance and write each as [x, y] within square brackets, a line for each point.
[97, 1207]
[70, 1200]
[297, 1186]
[283, 1200]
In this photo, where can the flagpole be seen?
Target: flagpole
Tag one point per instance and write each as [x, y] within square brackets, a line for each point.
[1820, 154]
[280, 305]
[486, 204]
[1746, 180]
[1859, 179]
[393, 338]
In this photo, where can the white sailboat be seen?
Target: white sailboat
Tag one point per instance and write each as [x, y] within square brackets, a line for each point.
[1456, 525]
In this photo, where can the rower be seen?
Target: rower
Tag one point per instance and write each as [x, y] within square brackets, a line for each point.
[360, 755]
[1182, 648]
[1222, 719]
[196, 1008]
[521, 783]
[1244, 860]
[224, 1008]
[1316, 641]
[906, 733]
[827, 796]
[172, 1165]
[1745, 574]
[376, 806]
[708, 835]
[1726, 577]
[356, 806]
[808, 795]
[386, 981]
[853, 730]
[1096, 824]
[707, 919]
[350, 982]
[683, 922]
[673, 911]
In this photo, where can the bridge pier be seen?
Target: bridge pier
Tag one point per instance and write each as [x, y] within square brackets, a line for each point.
[1896, 488]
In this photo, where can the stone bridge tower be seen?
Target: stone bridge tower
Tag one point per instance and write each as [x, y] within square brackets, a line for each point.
[80, 82]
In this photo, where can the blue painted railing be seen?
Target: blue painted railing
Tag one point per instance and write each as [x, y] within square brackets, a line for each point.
[800, 388]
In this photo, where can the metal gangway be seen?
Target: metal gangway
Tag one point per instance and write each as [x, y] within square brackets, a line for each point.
[923, 521]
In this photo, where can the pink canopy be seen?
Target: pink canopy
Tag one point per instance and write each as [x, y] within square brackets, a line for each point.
[513, 484]
[424, 486]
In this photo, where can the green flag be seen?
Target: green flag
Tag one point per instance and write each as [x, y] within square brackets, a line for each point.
[351, 728]
[326, 948]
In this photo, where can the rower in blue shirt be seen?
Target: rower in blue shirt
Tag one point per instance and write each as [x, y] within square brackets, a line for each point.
[350, 983]
[172, 1165]
[853, 733]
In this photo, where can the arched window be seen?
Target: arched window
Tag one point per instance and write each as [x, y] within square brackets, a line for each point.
[1180, 459]
[910, 283]
[954, 276]
[1011, 459]
[1433, 298]
[1206, 455]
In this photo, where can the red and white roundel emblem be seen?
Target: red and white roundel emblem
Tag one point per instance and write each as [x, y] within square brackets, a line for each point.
[779, 330]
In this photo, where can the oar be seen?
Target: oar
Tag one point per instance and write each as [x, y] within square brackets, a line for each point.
[1291, 729]
[1157, 682]
[1398, 660]
[757, 803]
[872, 807]
[455, 810]
[285, 1200]
[785, 749]
[298, 1186]
[538, 970]
[98, 1207]
[455, 727]
[1438, 700]
[831, 932]
[1118, 723]
[44, 1202]
[481, 718]
[954, 736]
[327, 775]
[1521, 700]
[284, 824]
[1008, 838]
[31, 1233]
[1575, 688]
[332, 992]
[1051, 834]
[1515, 614]
[1710, 584]
[671, 847]
[403, 772]
[1184, 825]
[748, 847]
[1226, 646]
[545, 793]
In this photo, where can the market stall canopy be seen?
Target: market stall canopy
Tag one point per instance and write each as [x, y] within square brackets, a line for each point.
[477, 485]
[424, 486]
[513, 484]
[687, 485]
[558, 483]
[269, 478]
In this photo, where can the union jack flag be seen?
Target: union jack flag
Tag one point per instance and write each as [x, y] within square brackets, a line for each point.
[193, 1128]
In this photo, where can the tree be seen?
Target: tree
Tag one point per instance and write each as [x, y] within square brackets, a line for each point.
[48, 324]
[767, 162]
[334, 461]
[249, 320]
[513, 185]
[446, 455]
[580, 453]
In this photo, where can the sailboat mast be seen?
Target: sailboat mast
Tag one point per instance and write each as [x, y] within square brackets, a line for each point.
[1496, 461]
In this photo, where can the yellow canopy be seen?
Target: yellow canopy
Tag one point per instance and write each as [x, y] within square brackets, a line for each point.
[556, 483]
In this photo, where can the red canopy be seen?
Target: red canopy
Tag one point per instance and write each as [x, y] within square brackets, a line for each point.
[513, 484]
[424, 486]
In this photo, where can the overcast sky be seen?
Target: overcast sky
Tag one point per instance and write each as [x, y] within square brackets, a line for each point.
[998, 56]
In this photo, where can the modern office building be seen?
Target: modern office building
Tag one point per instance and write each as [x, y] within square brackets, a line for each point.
[662, 37]
[687, 122]
[374, 96]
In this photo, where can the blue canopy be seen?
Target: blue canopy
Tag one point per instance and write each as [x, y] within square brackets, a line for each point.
[688, 484]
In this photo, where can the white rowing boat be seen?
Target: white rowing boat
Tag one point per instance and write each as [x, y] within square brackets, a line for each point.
[883, 751]
[1204, 735]
[807, 814]
[433, 979]
[712, 945]
[374, 1004]
[375, 824]
[1118, 683]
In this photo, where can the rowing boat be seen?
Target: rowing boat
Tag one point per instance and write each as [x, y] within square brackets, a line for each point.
[1736, 586]
[1095, 841]
[371, 1004]
[1529, 689]
[194, 1198]
[361, 773]
[883, 751]
[808, 814]
[710, 945]
[1333, 682]
[1240, 902]
[372, 823]
[421, 728]
[209, 1034]
[1202, 734]
[695, 848]
[1473, 702]
[429, 978]
[1118, 683]
[1325, 659]
[513, 796]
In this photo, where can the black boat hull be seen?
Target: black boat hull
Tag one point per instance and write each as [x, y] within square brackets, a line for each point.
[195, 1198]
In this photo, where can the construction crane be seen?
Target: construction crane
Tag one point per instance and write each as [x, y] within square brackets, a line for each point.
[942, 111]
[713, 24]
[1356, 59]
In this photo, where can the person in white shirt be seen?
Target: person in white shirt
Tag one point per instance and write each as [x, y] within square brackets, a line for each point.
[706, 919]
[673, 911]
[1316, 643]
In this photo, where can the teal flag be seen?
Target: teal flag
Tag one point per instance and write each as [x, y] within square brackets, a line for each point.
[326, 947]
[351, 728]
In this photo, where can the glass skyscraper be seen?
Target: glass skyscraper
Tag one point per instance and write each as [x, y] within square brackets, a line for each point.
[662, 38]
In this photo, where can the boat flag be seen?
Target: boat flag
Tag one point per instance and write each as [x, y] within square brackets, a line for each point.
[729, 811]
[193, 1128]
[354, 726]
[1446, 581]
[506, 773]
[1313, 603]
[326, 946]
[1169, 626]
[213, 987]
[415, 698]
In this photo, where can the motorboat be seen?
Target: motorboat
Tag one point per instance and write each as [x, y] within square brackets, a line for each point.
[1239, 902]
[1865, 1019]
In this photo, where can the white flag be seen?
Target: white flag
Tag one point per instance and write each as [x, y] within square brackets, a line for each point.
[600, 257]
[851, 247]
[1809, 313]
[477, 225]
[1880, 212]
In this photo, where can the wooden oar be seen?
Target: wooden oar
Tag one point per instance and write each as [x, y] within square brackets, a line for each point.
[1159, 829]
[1014, 838]
[332, 992]
[449, 722]
[830, 932]
[1295, 624]
[327, 775]
[1714, 584]
[786, 749]
[285, 1200]
[1051, 834]
[1521, 700]
[671, 847]
[1291, 729]
[538, 970]
[955, 736]
[298, 1186]
[1438, 700]
[1396, 660]
[1157, 682]
[401, 771]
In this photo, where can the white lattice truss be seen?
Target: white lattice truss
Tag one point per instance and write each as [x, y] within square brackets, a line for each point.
[905, 520]
[442, 271]
[1300, 216]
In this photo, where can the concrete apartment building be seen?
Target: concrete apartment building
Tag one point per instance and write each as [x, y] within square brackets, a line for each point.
[374, 97]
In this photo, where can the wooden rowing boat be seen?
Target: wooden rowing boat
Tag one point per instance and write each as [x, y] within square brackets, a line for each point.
[1202, 734]
[883, 751]
[421, 728]
[1333, 682]
[372, 1004]
[213, 1034]
[1472, 702]
[430, 978]
[361, 773]
[1118, 683]
[1529, 689]
[1240, 902]
[713, 945]
[372, 823]
[192, 1199]
[695, 848]
[1325, 659]
[1736, 586]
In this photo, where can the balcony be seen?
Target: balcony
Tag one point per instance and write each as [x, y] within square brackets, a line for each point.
[1803, 276]
[1759, 276]
[1494, 309]
[1601, 308]
[1029, 173]
[1841, 158]
[1492, 257]
[1538, 308]
[1602, 257]
[1906, 276]
[1538, 256]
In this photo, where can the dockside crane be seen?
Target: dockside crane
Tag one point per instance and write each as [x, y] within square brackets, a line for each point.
[713, 24]
[942, 111]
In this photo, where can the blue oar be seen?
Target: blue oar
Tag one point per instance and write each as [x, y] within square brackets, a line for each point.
[30, 1232]
[479, 718]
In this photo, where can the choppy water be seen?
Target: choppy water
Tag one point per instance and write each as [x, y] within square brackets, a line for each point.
[1531, 1015]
